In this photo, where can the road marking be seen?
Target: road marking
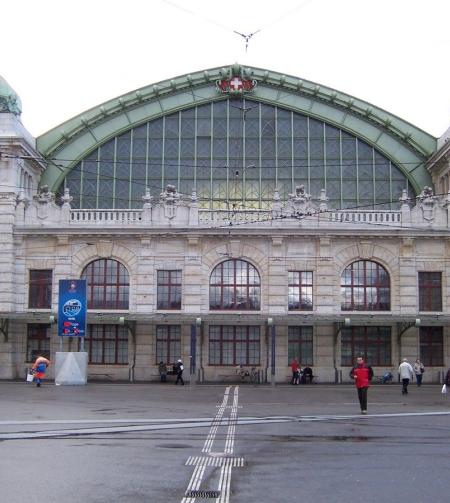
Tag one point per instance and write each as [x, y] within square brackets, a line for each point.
[225, 482]
[214, 461]
[217, 459]
[229, 442]
[216, 422]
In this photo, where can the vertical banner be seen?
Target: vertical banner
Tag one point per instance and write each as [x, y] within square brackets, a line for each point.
[72, 308]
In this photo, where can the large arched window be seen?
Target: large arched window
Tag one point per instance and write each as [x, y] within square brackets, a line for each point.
[108, 284]
[233, 158]
[235, 284]
[365, 286]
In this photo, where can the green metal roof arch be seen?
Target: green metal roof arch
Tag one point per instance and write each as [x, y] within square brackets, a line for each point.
[404, 144]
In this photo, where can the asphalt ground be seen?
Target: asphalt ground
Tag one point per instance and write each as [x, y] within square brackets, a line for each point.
[226, 443]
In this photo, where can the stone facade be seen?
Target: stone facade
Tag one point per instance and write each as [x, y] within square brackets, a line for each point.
[171, 232]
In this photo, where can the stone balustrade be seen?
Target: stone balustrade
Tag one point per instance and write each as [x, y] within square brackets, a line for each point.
[176, 210]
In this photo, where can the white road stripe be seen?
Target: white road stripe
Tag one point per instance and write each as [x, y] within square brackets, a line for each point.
[221, 460]
[225, 482]
[216, 422]
[229, 443]
[207, 461]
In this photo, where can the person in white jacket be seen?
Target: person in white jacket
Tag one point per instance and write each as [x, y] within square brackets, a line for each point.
[406, 374]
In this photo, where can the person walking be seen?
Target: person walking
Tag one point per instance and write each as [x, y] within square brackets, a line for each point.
[179, 370]
[295, 371]
[406, 374]
[419, 369]
[162, 369]
[40, 367]
[362, 375]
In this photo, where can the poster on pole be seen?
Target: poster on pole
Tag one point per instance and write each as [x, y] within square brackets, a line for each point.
[72, 308]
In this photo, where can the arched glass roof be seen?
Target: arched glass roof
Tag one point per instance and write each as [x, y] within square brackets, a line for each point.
[236, 151]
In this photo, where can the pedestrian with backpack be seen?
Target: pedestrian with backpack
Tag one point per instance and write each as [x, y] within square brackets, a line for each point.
[179, 367]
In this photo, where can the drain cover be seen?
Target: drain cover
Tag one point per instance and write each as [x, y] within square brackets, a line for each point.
[202, 494]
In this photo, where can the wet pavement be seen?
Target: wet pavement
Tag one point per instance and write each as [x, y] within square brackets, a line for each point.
[227, 443]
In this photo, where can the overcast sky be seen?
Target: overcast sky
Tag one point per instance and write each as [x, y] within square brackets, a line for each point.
[64, 57]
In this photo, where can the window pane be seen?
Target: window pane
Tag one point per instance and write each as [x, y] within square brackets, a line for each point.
[365, 286]
[235, 284]
[230, 345]
[373, 343]
[107, 284]
[40, 289]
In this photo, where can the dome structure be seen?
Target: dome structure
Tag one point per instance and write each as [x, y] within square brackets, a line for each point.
[9, 99]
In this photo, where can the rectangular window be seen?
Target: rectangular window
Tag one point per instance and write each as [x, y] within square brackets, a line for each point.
[169, 290]
[234, 345]
[300, 345]
[372, 343]
[430, 291]
[107, 344]
[40, 289]
[300, 294]
[168, 343]
[431, 346]
[38, 341]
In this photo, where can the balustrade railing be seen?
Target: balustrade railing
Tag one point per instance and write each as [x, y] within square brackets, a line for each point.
[105, 217]
[366, 217]
[224, 217]
[237, 216]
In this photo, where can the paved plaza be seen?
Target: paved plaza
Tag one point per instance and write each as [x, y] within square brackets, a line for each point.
[227, 443]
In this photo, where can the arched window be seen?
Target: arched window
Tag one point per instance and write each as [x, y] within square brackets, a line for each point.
[365, 286]
[235, 285]
[108, 284]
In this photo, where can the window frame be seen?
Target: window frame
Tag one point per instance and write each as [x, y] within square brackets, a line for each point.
[362, 346]
[304, 337]
[173, 289]
[427, 288]
[302, 285]
[222, 338]
[173, 336]
[43, 337]
[89, 342]
[426, 336]
[40, 289]
[97, 285]
[360, 282]
[234, 286]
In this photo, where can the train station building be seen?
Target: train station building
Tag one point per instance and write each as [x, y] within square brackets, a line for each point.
[231, 216]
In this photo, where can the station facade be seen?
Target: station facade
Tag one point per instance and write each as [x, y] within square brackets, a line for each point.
[230, 217]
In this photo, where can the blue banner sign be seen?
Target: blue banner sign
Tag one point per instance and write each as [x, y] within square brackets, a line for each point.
[72, 308]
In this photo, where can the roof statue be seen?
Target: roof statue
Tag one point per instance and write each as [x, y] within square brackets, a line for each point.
[9, 99]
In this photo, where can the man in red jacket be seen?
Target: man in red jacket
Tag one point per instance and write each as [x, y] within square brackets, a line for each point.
[362, 374]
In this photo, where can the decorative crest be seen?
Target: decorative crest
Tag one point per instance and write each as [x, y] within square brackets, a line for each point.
[236, 85]
[236, 81]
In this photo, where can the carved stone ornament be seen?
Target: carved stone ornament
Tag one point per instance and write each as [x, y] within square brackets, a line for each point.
[170, 199]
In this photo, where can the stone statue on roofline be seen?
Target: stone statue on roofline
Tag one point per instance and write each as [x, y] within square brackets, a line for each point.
[170, 195]
[299, 202]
